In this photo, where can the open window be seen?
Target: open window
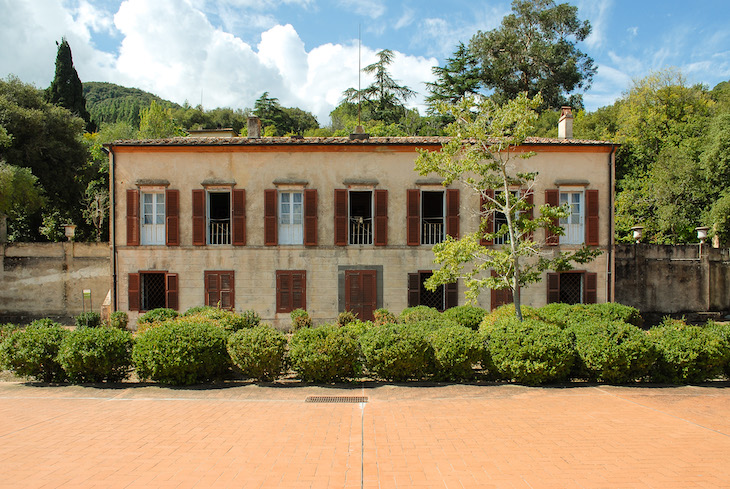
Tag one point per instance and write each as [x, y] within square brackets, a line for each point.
[219, 216]
[361, 217]
[444, 297]
[218, 223]
[152, 290]
[360, 213]
[433, 217]
[574, 287]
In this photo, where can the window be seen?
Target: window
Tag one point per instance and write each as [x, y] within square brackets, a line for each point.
[152, 217]
[291, 290]
[361, 217]
[219, 289]
[574, 223]
[219, 216]
[495, 219]
[291, 222]
[444, 297]
[575, 287]
[431, 215]
[361, 287]
[151, 290]
[581, 226]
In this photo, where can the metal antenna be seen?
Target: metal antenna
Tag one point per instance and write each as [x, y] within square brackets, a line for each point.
[359, 72]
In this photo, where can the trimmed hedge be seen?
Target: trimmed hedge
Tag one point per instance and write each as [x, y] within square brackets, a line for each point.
[327, 353]
[397, 352]
[456, 350]
[531, 352]
[119, 319]
[687, 354]
[88, 320]
[505, 312]
[223, 318]
[181, 353]
[567, 314]
[468, 316]
[383, 316]
[419, 313]
[160, 314]
[613, 351]
[32, 352]
[300, 319]
[96, 354]
[723, 331]
[258, 352]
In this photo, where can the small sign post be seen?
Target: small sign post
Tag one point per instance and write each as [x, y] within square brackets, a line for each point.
[87, 295]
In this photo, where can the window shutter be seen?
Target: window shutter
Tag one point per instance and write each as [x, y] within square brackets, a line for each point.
[298, 290]
[369, 295]
[413, 217]
[226, 290]
[310, 217]
[452, 295]
[592, 217]
[552, 197]
[132, 217]
[340, 216]
[414, 290]
[489, 226]
[239, 217]
[270, 217]
[553, 286]
[283, 291]
[500, 297]
[381, 217]
[452, 212]
[171, 288]
[172, 217]
[199, 217]
[212, 289]
[133, 291]
[591, 289]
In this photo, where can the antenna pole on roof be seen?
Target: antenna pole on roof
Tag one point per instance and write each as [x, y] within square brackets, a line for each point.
[359, 72]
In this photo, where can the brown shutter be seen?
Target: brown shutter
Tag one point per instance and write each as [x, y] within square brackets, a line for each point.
[212, 289]
[552, 197]
[283, 291]
[270, 217]
[381, 217]
[553, 287]
[369, 295]
[500, 297]
[133, 291]
[489, 226]
[172, 217]
[414, 290]
[199, 217]
[452, 295]
[298, 290]
[239, 217]
[413, 217]
[591, 289]
[171, 288]
[530, 213]
[340, 216]
[592, 217]
[227, 290]
[132, 217]
[310, 217]
[452, 212]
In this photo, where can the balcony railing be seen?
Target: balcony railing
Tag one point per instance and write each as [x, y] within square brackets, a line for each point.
[361, 230]
[220, 231]
[432, 231]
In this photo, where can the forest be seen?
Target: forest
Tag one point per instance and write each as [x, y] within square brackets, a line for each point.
[672, 167]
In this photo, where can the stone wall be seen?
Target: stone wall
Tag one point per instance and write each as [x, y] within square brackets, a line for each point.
[48, 279]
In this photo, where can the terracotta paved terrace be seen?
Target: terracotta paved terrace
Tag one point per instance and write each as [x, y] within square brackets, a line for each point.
[474, 436]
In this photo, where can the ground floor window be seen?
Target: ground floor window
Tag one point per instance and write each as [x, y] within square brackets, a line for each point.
[219, 289]
[152, 290]
[291, 290]
[444, 297]
[361, 293]
[576, 287]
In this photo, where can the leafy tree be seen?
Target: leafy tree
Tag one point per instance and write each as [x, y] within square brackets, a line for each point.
[534, 51]
[157, 122]
[109, 103]
[481, 153]
[459, 77]
[66, 89]
[19, 192]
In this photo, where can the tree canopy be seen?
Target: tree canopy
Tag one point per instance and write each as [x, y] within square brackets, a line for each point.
[66, 89]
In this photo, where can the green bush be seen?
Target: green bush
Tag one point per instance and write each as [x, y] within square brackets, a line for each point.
[119, 320]
[397, 352]
[384, 316]
[468, 316]
[33, 352]
[258, 352]
[456, 349]
[531, 352]
[197, 310]
[507, 311]
[250, 318]
[88, 320]
[181, 352]
[613, 351]
[96, 354]
[160, 314]
[687, 354]
[6, 330]
[418, 313]
[223, 318]
[723, 331]
[327, 353]
[566, 314]
[346, 317]
[300, 319]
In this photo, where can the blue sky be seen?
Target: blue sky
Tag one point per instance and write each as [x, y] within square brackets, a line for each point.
[304, 52]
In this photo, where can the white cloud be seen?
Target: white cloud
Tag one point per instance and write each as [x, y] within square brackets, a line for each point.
[597, 13]
[406, 19]
[633, 31]
[367, 8]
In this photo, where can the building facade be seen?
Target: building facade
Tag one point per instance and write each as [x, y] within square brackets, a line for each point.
[326, 224]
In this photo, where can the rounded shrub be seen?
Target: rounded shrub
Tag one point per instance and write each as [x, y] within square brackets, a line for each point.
[530, 352]
[222, 318]
[418, 313]
[119, 320]
[505, 312]
[723, 331]
[258, 352]
[613, 351]
[96, 354]
[327, 353]
[397, 352]
[160, 314]
[456, 350]
[383, 316]
[33, 351]
[687, 354]
[468, 316]
[6, 330]
[300, 319]
[346, 317]
[88, 320]
[181, 353]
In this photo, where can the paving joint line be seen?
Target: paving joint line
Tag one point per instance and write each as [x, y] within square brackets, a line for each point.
[661, 412]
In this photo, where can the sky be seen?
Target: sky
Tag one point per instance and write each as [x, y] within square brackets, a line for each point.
[226, 53]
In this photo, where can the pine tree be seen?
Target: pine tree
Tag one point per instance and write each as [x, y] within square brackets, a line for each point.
[66, 89]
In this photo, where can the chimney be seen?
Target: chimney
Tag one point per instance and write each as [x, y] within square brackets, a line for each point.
[359, 134]
[565, 124]
[254, 127]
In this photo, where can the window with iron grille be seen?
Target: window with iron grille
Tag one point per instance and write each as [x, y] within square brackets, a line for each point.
[433, 212]
[219, 217]
[576, 287]
[444, 297]
[361, 217]
[152, 291]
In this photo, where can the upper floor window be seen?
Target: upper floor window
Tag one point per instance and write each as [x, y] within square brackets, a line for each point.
[291, 218]
[574, 223]
[433, 213]
[581, 224]
[153, 218]
[361, 217]
[219, 216]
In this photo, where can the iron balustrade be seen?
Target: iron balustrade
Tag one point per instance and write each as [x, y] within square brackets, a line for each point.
[361, 230]
[432, 231]
[220, 231]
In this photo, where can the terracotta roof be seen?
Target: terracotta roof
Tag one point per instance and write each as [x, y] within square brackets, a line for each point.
[291, 141]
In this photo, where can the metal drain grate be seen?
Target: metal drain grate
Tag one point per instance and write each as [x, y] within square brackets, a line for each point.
[336, 399]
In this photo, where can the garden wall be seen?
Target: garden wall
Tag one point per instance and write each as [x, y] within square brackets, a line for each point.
[48, 280]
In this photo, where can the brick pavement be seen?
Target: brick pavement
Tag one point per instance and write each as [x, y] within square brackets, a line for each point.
[493, 436]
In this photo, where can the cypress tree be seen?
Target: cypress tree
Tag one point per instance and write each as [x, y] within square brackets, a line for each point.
[66, 89]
